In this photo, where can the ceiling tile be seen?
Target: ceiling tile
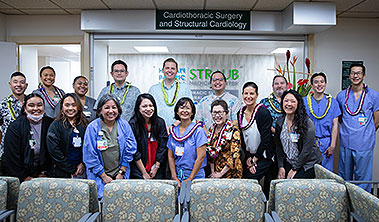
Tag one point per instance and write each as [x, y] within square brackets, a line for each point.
[272, 5]
[367, 6]
[180, 4]
[4, 6]
[80, 4]
[229, 5]
[342, 5]
[186, 50]
[11, 12]
[220, 50]
[74, 11]
[22, 4]
[249, 51]
[130, 4]
[45, 12]
[359, 15]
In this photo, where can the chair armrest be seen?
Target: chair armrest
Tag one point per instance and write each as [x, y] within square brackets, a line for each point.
[93, 217]
[356, 217]
[85, 217]
[275, 216]
[268, 218]
[6, 213]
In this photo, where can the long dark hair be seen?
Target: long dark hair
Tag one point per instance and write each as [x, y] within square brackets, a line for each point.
[80, 119]
[141, 120]
[300, 120]
[31, 95]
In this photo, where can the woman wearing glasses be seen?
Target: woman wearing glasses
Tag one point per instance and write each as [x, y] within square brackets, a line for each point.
[224, 144]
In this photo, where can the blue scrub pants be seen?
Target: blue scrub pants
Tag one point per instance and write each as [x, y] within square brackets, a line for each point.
[323, 144]
[356, 165]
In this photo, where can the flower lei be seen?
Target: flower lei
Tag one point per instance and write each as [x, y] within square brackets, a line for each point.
[175, 94]
[10, 107]
[111, 88]
[46, 95]
[361, 101]
[271, 101]
[215, 150]
[251, 118]
[181, 139]
[328, 104]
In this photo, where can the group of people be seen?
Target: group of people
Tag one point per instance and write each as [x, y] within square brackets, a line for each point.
[162, 134]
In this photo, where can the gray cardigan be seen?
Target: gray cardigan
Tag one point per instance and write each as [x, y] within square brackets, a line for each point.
[309, 153]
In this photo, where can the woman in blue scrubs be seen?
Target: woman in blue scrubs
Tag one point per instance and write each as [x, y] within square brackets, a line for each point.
[186, 144]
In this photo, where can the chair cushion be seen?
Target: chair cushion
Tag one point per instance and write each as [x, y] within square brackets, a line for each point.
[13, 187]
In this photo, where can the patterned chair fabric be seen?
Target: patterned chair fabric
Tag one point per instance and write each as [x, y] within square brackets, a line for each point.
[323, 173]
[363, 203]
[140, 200]
[226, 200]
[13, 184]
[3, 196]
[93, 200]
[52, 200]
[311, 200]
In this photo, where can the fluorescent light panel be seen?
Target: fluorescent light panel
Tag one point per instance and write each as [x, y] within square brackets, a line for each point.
[72, 48]
[151, 49]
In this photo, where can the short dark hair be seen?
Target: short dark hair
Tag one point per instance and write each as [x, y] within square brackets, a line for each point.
[250, 84]
[217, 71]
[220, 102]
[279, 76]
[318, 74]
[358, 65]
[180, 103]
[105, 98]
[78, 77]
[119, 62]
[170, 60]
[31, 95]
[46, 67]
[18, 74]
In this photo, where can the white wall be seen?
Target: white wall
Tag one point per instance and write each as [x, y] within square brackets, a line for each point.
[3, 30]
[351, 39]
[29, 66]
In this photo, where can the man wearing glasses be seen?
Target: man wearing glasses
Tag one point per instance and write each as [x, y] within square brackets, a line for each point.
[123, 90]
[360, 119]
[218, 84]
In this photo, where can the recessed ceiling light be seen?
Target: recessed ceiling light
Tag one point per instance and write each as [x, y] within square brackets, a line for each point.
[151, 49]
[280, 50]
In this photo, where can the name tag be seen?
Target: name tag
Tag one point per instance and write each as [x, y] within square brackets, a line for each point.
[32, 143]
[76, 141]
[102, 145]
[228, 135]
[295, 137]
[362, 120]
[56, 98]
[179, 150]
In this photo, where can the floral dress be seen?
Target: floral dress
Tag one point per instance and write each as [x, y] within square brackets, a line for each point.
[225, 151]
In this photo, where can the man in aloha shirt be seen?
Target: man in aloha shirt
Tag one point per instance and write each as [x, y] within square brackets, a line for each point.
[272, 103]
[218, 84]
[10, 106]
[169, 91]
[125, 92]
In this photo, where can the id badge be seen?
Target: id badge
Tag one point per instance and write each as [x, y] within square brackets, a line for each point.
[76, 141]
[228, 135]
[179, 150]
[32, 143]
[362, 120]
[102, 145]
[87, 113]
[56, 98]
[294, 137]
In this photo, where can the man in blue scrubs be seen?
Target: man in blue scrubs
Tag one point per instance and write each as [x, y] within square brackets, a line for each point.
[360, 119]
[323, 111]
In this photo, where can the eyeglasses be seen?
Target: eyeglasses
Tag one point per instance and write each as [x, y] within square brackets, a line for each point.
[119, 71]
[219, 79]
[214, 113]
[356, 73]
